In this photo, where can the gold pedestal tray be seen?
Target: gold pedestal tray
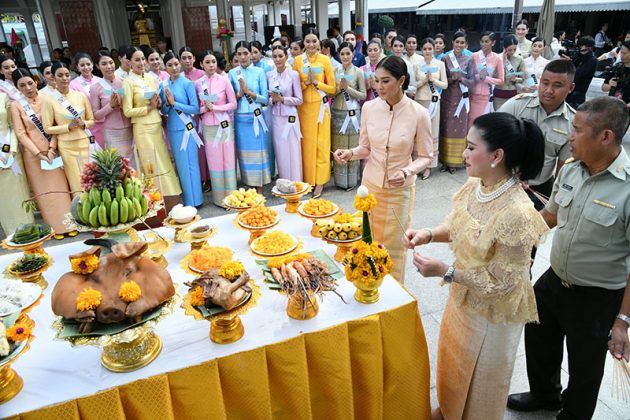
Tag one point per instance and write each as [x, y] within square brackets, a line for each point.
[367, 291]
[300, 310]
[342, 246]
[158, 246]
[131, 349]
[198, 242]
[34, 276]
[225, 327]
[293, 199]
[254, 231]
[10, 382]
[180, 228]
[260, 201]
[35, 247]
[314, 219]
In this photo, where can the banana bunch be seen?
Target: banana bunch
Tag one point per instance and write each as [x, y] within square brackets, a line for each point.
[99, 209]
[341, 228]
[241, 198]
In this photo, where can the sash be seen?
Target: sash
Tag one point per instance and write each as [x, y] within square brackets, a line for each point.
[9, 89]
[351, 116]
[190, 130]
[509, 66]
[5, 152]
[224, 125]
[259, 120]
[490, 105]
[464, 101]
[85, 85]
[93, 146]
[435, 95]
[324, 105]
[30, 113]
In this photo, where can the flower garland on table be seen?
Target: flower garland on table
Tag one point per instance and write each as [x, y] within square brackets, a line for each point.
[231, 270]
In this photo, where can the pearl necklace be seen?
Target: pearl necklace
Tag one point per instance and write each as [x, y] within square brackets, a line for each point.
[487, 197]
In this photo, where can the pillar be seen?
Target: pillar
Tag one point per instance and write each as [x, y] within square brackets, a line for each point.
[344, 15]
[104, 23]
[223, 11]
[295, 14]
[362, 20]
[321, 17]
[247, 20]
[32, 35]
[49, 24]
[178, 36]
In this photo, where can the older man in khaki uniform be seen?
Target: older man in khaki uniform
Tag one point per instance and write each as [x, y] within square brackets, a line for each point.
[554, 116]
[584, 294]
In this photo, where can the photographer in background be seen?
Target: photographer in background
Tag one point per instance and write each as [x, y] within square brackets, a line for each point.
[601, 40]
[585, 64]
[617, 78]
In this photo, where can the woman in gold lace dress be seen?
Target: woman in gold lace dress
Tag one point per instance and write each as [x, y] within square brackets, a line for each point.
[491, 231]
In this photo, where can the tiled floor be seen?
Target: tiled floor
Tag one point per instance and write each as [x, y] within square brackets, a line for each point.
[433, 202]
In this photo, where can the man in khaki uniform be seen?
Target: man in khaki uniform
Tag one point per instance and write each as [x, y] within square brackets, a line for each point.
[553, 115]
[584, 294]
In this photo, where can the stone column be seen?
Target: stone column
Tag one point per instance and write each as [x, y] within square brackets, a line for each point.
[247, 20]
[295, 14]
[32, 35]
[344, 15]
[178, 37]
[103, 17]
[322, 17]
[49, 24]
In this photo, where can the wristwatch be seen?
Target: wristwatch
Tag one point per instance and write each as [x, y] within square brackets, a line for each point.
[624, 318]
[449, 275]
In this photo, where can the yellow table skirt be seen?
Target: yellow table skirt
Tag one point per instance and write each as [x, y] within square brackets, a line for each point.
[370, 368]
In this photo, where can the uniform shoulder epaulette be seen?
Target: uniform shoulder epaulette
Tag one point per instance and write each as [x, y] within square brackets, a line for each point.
[525, 95]
[570, 160]
[571, 109]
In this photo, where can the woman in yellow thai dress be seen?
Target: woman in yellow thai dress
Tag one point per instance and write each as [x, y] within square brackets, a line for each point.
[395, 136]
[491, 230]
[318, 81]
[67, 114]
[141, 103]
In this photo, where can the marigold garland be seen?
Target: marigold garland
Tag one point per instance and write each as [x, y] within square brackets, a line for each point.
[367, 262]
[129, 291]
[364, 204]
[89, 299]
[231, 270]
[18, 332]
[84, 265]
[196, 297]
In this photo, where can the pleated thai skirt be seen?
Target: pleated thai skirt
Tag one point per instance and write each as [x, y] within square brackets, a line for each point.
[315, 144]
[288, 150]
[75, 154]
[254, 158]
[120, 139]
[221, 159]
[14, 191]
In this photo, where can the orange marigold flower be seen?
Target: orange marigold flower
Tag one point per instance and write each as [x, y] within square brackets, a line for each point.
[129, 291]
[89, 299]
[196, 297]
[18, 332]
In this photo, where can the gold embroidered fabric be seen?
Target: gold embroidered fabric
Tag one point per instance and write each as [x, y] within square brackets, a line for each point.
[492, 243]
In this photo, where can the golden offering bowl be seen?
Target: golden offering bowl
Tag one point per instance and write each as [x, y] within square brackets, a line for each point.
[33, 276]
[256, 232]
[158, 246]
[131, 349]
[367, 291]
[314, 219]
[198, 241]
[10, 382]
[260, 201]
[293, 199]
[342, 246]
[226, 330]
[35, 247]
[299, 309]
[180, 228]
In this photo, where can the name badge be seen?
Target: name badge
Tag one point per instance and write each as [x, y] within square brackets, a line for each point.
[352, 112]
[92, 139]
[6, 148]
[465, 95]
[325, 99]
[291, 119]
[567, 187]
[225, 124]
[189, 126]
[257, 112]
[434, 98]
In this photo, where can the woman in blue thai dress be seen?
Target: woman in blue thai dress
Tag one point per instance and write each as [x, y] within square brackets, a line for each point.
[180, 105]
[259, 60]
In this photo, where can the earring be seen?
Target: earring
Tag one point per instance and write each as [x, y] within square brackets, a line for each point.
[492, 165]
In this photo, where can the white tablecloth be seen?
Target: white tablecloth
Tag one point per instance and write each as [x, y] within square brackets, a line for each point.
[54, 371]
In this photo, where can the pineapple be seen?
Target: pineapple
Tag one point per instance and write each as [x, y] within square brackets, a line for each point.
[110, 169]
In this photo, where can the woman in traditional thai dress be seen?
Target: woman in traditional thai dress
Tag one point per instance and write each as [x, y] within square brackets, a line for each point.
[155, 64]
[67, 114]
[45, 69]
[38, 147]
[440, 45]
[83, 83]
[411, 46]
[398, 46]
[106, 98]
[524, 46]
[395, 136]
[180, 105]
[296, 48]
[346, 116]
[515, 74]
[488, 69]
[260, 61]
[12, 177]
[491, 230]
[217, 100]
[374, 52]
[285, 95]
[141, 104]
[535, 63]
[431, 80]
[317, 81]
[7, 67]
[252, 148]
[455, 105]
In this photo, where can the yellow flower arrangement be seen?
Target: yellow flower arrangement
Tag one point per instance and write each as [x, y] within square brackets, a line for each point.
[276, 262]
[196, 297]
[89, 299]
[84, 265]
[18, 332]
[367, 262]
[129, 291]
[231, 270]
[364, 204]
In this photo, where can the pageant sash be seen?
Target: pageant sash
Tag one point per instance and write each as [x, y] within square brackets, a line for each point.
[93, 146]
[189, 128]
[9, 89]
[5, 152]
[435, 95]
[464, 101]
[108, 89]
[259, 120]
[490, 105]
[224, 125]
[30, 113]
[351, 116]
[324, 104]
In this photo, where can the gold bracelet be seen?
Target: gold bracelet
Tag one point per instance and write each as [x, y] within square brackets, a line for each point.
[430, 234]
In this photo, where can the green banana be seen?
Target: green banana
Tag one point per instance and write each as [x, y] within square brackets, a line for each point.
[128, 190]
[137, 207]
[137, 192]
[132, 210]
[120, 192]
[144, 204]
[84, 197]
[107, 198]
[113, 213]
[95, 196]
[93, 218]
[80, 213]
[102, 215]
[86, 210]
[124, 211]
